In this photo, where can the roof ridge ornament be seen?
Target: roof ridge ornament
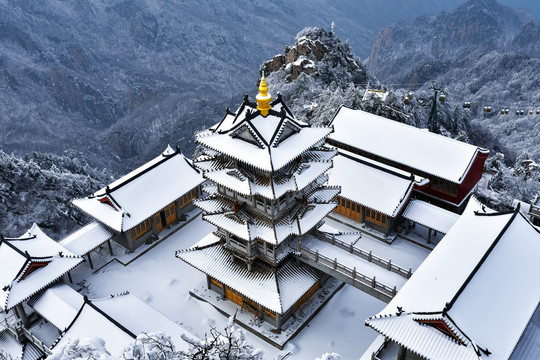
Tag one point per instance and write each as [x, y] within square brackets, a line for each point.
[263, 98]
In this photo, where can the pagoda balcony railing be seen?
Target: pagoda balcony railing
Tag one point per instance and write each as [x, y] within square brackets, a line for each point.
[535, 210]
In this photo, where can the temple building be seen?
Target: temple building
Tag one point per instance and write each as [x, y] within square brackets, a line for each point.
[141, 204]
[452, 167]
[268, 171]
[371, 192]
[474, 297]
[29, 264]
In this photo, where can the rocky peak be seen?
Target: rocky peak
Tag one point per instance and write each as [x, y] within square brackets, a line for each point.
[311, 47]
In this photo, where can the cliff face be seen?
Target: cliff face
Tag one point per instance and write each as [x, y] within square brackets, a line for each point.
[483, 53]
[477, 25]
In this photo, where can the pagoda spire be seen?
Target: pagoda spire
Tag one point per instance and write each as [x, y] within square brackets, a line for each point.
[263, 98]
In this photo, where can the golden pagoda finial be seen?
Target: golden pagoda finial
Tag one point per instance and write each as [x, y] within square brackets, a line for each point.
[263, 98]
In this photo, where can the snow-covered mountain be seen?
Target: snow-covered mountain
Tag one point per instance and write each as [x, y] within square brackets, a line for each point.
[483, 53]
[120, 79]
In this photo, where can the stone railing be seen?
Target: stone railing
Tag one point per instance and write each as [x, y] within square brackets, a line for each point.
[366, 255]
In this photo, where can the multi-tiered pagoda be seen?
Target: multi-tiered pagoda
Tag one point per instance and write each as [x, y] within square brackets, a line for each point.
[268, 171]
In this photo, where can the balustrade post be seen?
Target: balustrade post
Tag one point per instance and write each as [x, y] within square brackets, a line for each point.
[317, 255]
[335, 263]
[373, 282]
[351, 248]
[354, 273]
[370, 256]
[409, 274]
[333, 239]
[394, 291]
[389, 265]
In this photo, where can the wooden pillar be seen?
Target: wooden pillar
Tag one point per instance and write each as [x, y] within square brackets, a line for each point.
[208, 281]
[90, 261]
[408, 228]
[69, 277]
[260, 312]
[278, 322]
[402, 353]
[21, 315]
[428, 235]
[154, 225]
[110, 247]
[177, 204]
[129, 241]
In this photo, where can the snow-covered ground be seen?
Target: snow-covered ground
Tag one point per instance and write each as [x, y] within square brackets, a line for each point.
[164, 282]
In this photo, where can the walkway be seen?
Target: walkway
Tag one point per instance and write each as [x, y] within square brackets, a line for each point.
[357, 267]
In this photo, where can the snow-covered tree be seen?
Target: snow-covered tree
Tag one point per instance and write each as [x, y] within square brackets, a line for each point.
[229, 344]
[85, 348]
[330, 356]
[4, 355]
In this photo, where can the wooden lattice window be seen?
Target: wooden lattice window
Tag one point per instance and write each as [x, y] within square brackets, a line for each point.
[376, 217]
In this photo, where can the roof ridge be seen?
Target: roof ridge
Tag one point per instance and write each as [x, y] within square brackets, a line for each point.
[449, 305]
[139, 174]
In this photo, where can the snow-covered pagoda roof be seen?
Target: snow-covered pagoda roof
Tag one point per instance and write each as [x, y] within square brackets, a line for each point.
[266, 142]
[318, 162]
[87, 238]
[474, 295]
[118, 320]
[420, 149]
[248, 228]
[138, 195]
[277, 290]
[29, 264]
[374, 185]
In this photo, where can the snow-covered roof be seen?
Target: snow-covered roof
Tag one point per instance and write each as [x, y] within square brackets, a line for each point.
[59, 304]
[429, 215]
[247, 229]
[267, 143]
[31, 263]
[235, 180]
[477, 285]
[277, 290]
[420, 149]
[138, 195]
[87, 238]
[118, 320]
[10, 345]
[377, 187]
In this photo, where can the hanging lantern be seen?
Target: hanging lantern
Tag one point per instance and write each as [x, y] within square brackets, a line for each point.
[467, 105]
[517, 112]
[537, 111]
[507, 111]
[521, 112]
[502, 111]
[406, 101]
[410, 95]
[489, 109]
[485, 109]
[442, 98]
[530, 112]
